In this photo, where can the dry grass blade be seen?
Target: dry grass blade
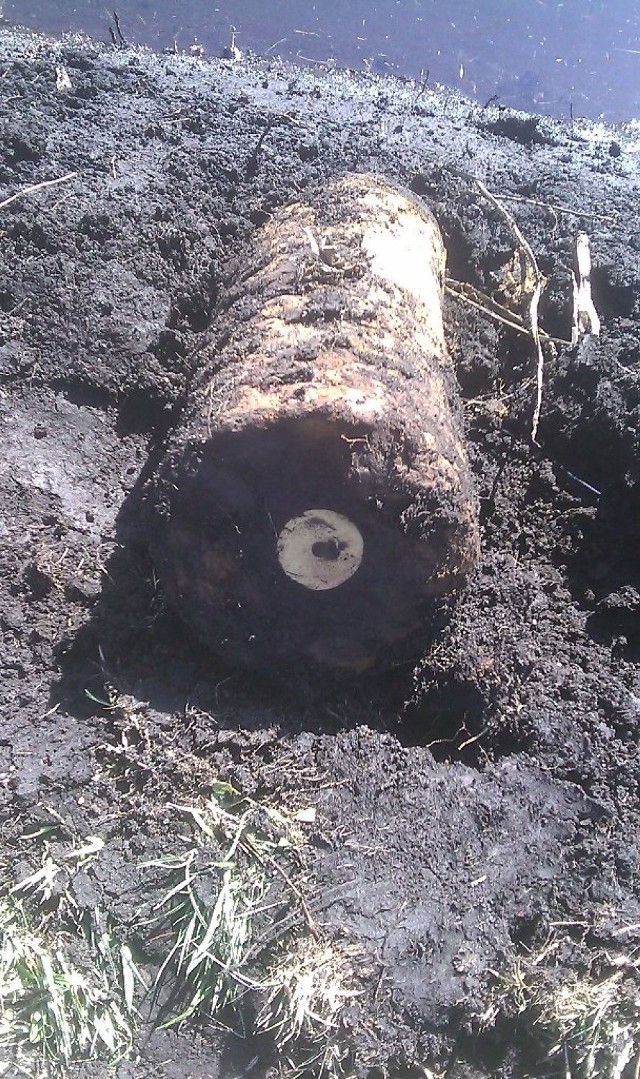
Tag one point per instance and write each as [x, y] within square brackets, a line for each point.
[31, 190]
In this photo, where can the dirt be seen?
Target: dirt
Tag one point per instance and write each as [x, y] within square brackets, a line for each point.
[470, 806]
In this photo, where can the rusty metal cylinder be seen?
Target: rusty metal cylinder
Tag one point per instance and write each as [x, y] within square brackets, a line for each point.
[316, 503]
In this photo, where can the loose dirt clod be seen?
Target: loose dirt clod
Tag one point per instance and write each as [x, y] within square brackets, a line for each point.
[318, 500]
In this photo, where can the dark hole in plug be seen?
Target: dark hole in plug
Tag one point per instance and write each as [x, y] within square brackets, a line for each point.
[327, 550]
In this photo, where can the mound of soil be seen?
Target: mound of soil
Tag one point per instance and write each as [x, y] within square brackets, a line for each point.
[469, 806]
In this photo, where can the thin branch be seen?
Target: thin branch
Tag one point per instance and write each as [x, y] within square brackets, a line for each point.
[519, 326]
[308, 917]
[494, 311]
[36, 187]
[513, 225]
[533, 314]
[557, 209]
[539, 283]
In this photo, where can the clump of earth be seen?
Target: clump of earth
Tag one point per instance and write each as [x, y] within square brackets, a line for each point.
[465, 817]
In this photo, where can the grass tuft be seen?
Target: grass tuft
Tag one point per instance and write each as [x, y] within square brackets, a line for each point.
[245, 949]
[216, 900]
[67, 983]
[305, 994]
[53, 1010]
[590, 1023]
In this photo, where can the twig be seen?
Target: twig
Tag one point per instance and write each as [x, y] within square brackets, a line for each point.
[252, 162]
[533, 314]
[583, 483]
[36, 187]
[557, 209]
[626, 929]
[472, 738]
[383, 971]
[495, 314]
[308, 917]
[539, 283]
[121, 37]
[627, 370]
[519, 326]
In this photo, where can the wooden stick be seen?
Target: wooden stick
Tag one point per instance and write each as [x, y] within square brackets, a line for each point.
[251, 849]
[537, 290]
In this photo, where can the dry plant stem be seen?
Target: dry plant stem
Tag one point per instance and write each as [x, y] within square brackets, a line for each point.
[537, 291]
[626, 929]
[308, 917]
[36, 187]
[627, 370]
[535, 299]
[557, 209]
[496, 316]
[486, 310]
[567, 1066]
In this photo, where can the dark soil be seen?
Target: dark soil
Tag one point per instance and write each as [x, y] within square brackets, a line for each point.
[469, 804]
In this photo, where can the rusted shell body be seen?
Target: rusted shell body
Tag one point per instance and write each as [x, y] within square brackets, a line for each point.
[317, 501]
